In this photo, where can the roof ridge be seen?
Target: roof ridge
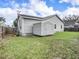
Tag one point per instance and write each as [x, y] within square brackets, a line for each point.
[40, 18]
[37, 16]
[30, 16]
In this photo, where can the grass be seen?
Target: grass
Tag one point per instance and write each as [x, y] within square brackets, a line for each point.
[63, 45]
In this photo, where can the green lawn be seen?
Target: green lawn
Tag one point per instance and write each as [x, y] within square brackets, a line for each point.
[63, 45]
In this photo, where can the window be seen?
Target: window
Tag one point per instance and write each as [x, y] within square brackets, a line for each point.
[55, 26]
[61, 26]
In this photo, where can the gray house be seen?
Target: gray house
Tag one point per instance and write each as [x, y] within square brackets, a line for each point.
[72, 25]
[41, 26]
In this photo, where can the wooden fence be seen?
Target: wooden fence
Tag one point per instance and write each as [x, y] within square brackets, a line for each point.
[2, 32]
[72, 29]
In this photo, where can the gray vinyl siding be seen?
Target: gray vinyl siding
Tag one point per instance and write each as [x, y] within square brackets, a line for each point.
[27, 26]
[55, 20]
[47, 28]
[37, 29]
[43, 29]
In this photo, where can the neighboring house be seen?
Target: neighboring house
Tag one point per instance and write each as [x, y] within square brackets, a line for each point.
[39, 25]
[71, 24]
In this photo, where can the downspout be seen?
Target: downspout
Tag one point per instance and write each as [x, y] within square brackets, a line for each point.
[18, 12]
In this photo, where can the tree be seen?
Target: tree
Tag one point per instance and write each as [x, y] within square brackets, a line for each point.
[2, 19]
[2, 24]
[15, 23]
[71, 17]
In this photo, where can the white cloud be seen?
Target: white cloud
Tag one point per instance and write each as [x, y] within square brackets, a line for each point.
[32, 8]
[69, 11]
[72, 11]
[14, 4]
[27, 11]
[41, 7]
[73, 2]
[23, 4]
[9, 14]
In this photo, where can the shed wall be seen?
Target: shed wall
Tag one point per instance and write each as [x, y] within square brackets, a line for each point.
[37, 29]
[47, 28]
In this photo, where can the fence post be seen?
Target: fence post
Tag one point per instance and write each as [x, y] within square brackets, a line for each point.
[2, 33]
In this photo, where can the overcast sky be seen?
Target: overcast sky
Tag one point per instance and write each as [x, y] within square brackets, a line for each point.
[8, 8]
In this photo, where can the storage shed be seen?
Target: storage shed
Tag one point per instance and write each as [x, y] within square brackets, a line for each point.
[43, 28]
